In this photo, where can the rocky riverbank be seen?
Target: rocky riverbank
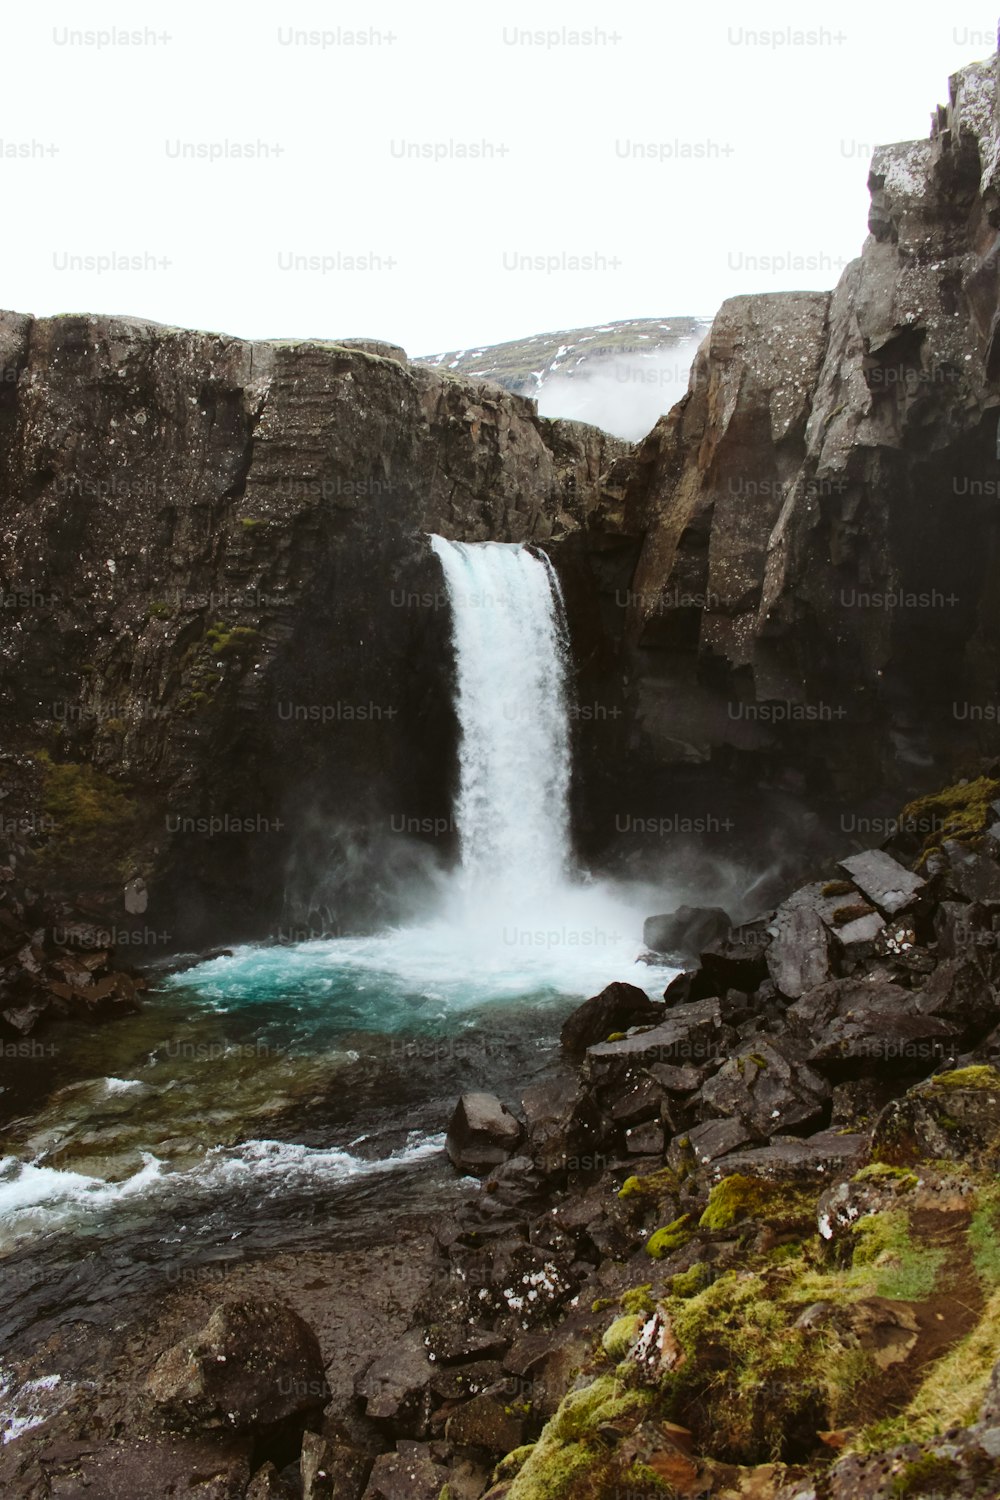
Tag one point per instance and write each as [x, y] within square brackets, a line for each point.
[743, 1245]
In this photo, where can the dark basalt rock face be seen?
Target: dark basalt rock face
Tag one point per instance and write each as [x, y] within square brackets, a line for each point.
[817, 521]
[218, 587]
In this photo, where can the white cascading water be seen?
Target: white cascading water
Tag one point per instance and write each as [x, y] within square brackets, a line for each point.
[509, 636]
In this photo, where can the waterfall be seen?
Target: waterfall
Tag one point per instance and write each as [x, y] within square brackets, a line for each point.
[509, 638]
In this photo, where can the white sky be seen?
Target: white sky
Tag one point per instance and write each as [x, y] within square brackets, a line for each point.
[799, 122]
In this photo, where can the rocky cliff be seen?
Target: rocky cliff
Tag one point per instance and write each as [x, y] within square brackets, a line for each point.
[816, 521]
[218, 591]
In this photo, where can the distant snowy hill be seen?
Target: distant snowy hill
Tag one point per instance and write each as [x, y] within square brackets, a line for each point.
[619, 376]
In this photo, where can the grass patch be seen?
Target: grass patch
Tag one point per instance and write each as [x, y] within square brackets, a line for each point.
[984, 1237]
[952, 1393]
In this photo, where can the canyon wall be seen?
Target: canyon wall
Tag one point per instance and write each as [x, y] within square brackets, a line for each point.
[815, 525]
[218, 590]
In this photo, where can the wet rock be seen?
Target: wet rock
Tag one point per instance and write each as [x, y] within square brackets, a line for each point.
[824, 1154]
[971, 874]
[857, 1102]
[332, 1469]
[486, 1422]
[565, 1128]
[482, 1133]
[645, 1140]
[857, 940]
[691, 1033]
[954, 1116]
[453, 1383]
[640, 1102]
[394, 1386]
[208, 1466]
[737, 961]
[706, 1142]
[959, 992]
[963, 930]
[886, 883]
[254, 1365]
[267, 1484]
[411, 1473]
[770, 1089]
[870, 1024]
[675, 1079]
[616, 1008]
[457, 1343]
[883, 1040]
[686, 931]
[798, 957]
[680, 989]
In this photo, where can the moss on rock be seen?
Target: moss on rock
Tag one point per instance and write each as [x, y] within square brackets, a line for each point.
[654, 1185]
[961, 812]
[977, 1077]
[737, 1197]
[620, 1337]
[671, 1237]
[571, 1461]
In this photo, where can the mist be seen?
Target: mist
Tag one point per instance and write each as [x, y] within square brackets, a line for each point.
[624, 394]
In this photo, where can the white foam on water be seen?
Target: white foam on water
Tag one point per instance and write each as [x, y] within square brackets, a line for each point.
[36, 1198]
[25, 1406]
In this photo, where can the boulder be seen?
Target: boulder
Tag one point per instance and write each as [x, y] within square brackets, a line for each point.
[617, 1008]
[857, 940]
[267, 1484]
[824, 1154]
[645, 1140]
[565, 1128]
[798, 957]
[954, 1116]
[970, 874]
[332, 1469]
[691, 1033]
[482, 1133]
[486, 1422]
[736, 961]
[870, 1025]
[411, 1473]
[959, 992]
[453, 1383]
[458, 1343]
[708, 1141]
[394, 1386]
[254, 1365]
[769, 1088]
[641, 1101]
[687, 930]
[886, 883]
